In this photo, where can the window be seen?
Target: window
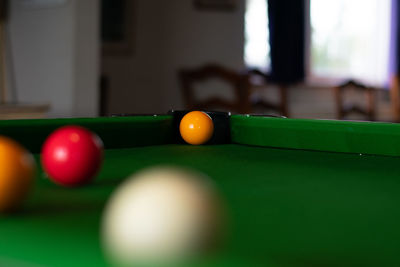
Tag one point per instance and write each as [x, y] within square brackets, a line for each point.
[350, 39]
[256, 47]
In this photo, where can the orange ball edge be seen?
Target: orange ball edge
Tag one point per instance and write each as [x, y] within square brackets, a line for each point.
[17, 172]
[196, 128]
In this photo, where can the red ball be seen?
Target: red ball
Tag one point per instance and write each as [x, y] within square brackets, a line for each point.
[72, 155]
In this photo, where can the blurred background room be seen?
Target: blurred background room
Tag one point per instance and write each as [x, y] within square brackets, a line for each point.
[327, 59]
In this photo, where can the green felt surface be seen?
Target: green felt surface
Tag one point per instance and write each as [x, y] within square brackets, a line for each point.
[287, 208]
[375, 138]
[116, 132]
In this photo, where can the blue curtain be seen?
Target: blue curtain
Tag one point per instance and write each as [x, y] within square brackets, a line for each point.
[287, 40]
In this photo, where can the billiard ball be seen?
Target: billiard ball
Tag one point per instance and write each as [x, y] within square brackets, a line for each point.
[17, 171]
[196, 127]
[161, 215]
[72, 155]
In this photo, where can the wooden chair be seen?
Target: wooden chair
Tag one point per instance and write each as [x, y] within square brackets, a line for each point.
[280, 107]
[342, 110]
[395, 97]
[238, 81]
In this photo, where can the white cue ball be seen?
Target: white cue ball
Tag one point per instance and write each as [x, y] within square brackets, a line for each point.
[161, 215]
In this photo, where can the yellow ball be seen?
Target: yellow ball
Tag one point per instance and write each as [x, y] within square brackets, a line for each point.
[196, 127]
[161, 215]
[17, 169]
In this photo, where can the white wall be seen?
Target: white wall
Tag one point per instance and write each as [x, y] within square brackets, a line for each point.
[86, 58]
[55, 55]
[135, 78]
[196, 37]
[170, 35]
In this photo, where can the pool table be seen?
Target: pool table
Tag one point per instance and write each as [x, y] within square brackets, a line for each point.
[298, 192]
